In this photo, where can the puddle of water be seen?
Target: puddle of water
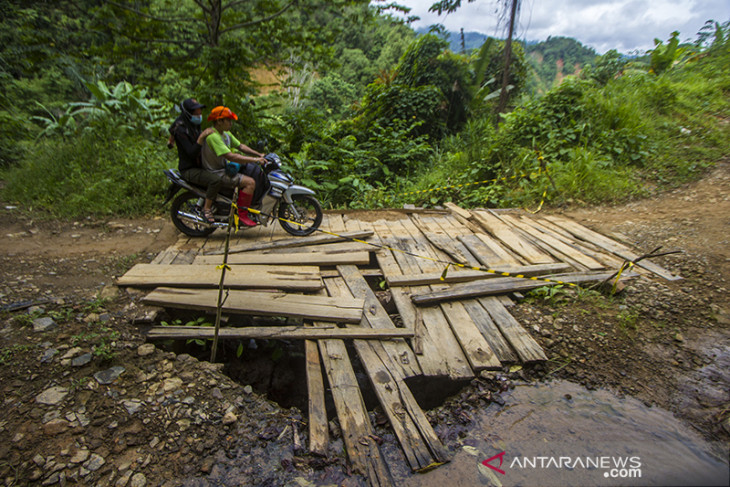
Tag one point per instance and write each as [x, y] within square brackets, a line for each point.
[560, 434]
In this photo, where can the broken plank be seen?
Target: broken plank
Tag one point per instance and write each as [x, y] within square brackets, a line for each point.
[505, 234]
[490, 331]
[475, 346]
[353, 285]
[526, 347]
[318, 239]
[473, 275]
[610, 245]
[323, 308]
[357, 431]
[457, 210]
[302, 278]
[504, 285]
[315, 259]
[317, 419]
[276, 333]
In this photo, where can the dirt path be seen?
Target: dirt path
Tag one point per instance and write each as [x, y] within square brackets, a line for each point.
[88, 402]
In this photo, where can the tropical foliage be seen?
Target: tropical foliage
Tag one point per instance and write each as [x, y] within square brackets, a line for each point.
[362, 108]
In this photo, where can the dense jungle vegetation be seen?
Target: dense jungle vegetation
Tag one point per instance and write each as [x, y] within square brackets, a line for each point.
[362, 109]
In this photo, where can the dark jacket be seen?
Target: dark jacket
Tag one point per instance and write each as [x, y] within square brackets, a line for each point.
[186, 136]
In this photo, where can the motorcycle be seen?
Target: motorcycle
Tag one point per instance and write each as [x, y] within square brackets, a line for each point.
[295, 207]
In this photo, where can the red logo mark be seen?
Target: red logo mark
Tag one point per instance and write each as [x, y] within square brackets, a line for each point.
[498, 455]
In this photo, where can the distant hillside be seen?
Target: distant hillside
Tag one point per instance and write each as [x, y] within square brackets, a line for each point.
[551, 60]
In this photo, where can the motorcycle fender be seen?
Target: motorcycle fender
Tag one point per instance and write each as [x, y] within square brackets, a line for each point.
[296, 189]
[172, 190]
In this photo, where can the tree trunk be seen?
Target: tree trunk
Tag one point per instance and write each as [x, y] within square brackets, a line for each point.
[507, 58]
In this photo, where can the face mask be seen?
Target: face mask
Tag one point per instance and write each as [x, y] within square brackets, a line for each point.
[196, 119]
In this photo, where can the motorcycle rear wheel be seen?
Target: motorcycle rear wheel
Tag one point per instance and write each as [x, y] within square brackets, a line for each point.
[303, 217]
[187, 202]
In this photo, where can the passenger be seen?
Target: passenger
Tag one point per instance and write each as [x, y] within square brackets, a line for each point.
[184, 132]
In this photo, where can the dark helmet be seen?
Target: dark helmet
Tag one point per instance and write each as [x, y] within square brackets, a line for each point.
[189, 106]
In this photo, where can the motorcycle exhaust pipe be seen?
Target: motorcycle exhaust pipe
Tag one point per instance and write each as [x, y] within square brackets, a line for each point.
[192, 217]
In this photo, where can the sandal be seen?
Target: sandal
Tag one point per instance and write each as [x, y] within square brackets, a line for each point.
[208, 216]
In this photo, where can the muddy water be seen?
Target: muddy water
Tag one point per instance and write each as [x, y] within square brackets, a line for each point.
[560, 434]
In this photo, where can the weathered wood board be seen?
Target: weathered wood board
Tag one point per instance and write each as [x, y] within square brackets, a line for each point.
[260, 304]
[299, 278]
[317, 239]
[300, 258]
[612, 246]
[505, 234]
[276, 333]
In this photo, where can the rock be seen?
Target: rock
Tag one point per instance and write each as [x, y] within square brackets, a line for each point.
[39, 460]
[138, 480]
[81, 360]
[43, 324]
[94, 463]
[124, 479]
[108, 376]
[146, 349]
[48, 355]
[55, 427]
[247, 389]
[172, 384]
[216, 393]
[109, 292]
[678, 337]
[132, 405]
[229, 418]
[80, 456]
[53, 479]
[71, 353]
[52, 396]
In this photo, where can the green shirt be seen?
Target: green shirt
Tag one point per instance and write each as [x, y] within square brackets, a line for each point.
[219, 146]
[216, 146]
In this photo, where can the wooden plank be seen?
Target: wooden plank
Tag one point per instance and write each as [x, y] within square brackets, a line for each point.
[442, 241]
[318, 425]
[357, 431]
[503, 285]
[500, 230]
[468, 275]
[555, 243]
[302, 278]
[612, 246]
[475, 345]
[457, 210]
[315, 259]
[332, 248]
[167, 256]
[353, 285]
[317, 239]
[422, 450]
[607, 259]
[277, 333]
[488, 252]
[260, 304]
[442, 355]
[489, 330]
[437, 331]
[526, 347]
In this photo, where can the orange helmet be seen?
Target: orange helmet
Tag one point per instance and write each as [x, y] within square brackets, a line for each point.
[220, 112]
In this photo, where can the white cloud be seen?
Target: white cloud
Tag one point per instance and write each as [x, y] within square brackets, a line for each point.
[624, 25]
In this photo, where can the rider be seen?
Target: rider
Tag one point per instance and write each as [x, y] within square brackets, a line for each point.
[185, 131]
[218, 151]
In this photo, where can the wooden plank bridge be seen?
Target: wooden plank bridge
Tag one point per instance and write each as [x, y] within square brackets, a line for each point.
[451, 322]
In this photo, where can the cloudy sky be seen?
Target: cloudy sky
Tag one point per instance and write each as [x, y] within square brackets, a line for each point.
[624, 25]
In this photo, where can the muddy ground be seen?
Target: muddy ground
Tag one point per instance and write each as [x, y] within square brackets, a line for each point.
[87, 402]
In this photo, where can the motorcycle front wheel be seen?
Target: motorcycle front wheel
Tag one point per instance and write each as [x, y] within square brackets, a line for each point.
[183, 211]
[302, 217]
